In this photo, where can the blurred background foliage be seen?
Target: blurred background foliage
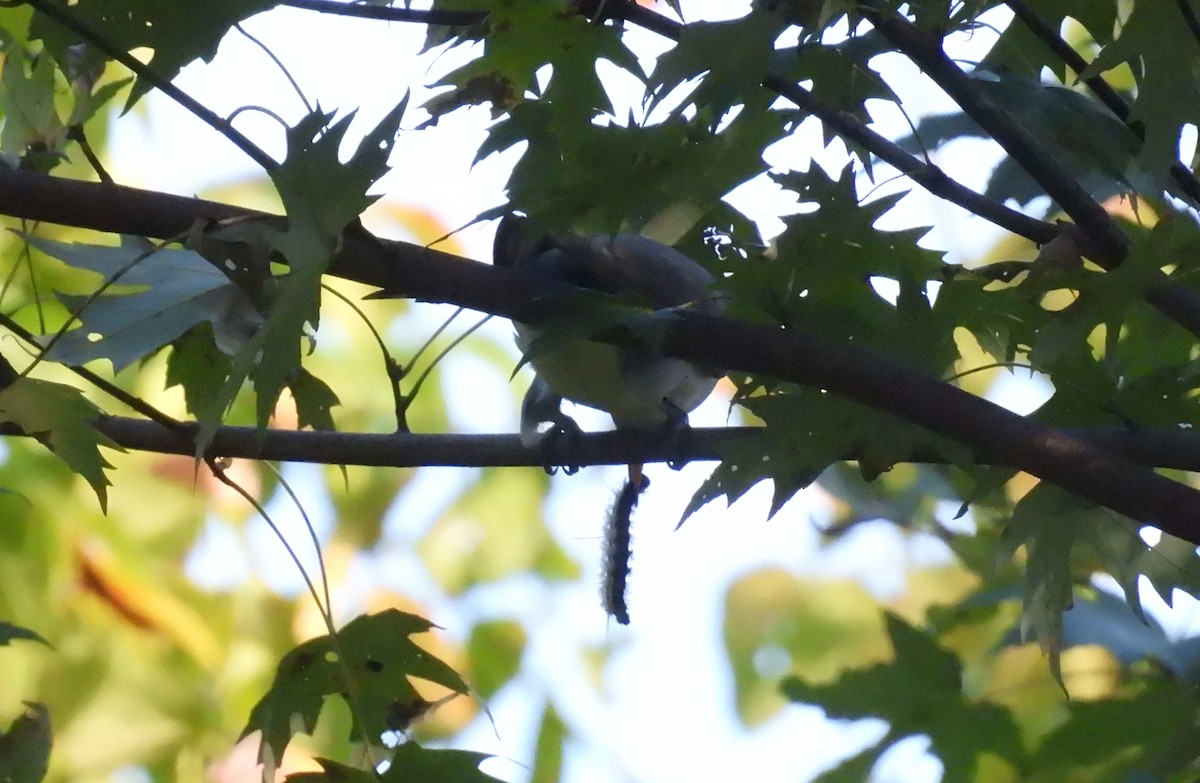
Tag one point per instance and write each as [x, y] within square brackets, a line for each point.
[166, 617]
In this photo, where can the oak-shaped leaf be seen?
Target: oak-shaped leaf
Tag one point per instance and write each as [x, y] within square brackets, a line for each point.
[369, 664]
[920, 691]
[1050, 523]
[411, 762]
[175, 33]
[60, 418]
[321, 196]
[176, 289]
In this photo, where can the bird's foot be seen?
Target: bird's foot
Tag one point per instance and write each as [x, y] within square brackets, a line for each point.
[558, 443]
[678, 434]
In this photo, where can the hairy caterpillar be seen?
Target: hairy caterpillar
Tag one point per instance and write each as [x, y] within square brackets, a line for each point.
[617, 549]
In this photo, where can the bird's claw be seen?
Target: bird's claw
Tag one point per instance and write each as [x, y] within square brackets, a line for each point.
[558, 443]
[678, 434]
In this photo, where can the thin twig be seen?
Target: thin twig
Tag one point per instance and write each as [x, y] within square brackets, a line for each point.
[143, 71]
[108, 387]
[278, 64]
[77, 134]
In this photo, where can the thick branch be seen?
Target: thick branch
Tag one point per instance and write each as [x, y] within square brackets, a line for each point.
[1183, 177]
[1103, 239]
[853, 130]
[996, 434]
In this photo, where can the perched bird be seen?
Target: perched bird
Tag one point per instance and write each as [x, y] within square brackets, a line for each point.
[636, 386]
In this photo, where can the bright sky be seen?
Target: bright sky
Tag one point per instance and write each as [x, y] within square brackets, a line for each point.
[666, 713]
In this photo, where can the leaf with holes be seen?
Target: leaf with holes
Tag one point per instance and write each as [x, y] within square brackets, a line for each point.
[368, 663]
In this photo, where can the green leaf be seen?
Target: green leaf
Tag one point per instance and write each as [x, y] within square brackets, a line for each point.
[368, 664]
[1168, 95]
[32, 128]
[177, 33]
[60, 418]
[855, 769]
[494, 530]
[919, 692]
[551, 739]
[520, 39]
[321, 196]
[1020, 51]
[314, 401]
[198, 366]
[1100, 735]
[495, 650]
[1084, 135]
[8, 632]
[840, 73]
[564, 178]
[179, 289]
[25, 747]
[410, 763]
[732, 57]
[320, 193]
[1049, 523]
[413, 762]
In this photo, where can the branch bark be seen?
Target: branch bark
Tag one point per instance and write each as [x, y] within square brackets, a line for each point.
[1176, 449]
[405, 270]
[1101, 237]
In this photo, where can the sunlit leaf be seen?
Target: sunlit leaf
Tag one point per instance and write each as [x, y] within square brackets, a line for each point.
[179, 289]
[919, 692]
[368, 664]
[60, 418]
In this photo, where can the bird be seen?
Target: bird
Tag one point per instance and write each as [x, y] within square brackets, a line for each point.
[636, 386]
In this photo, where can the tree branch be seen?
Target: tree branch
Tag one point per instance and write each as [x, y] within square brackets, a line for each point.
[388, 13]
[405, 270]
[143, 71]
[1163, 448]
[1101, 237]
[1183, 177]
[853, 130]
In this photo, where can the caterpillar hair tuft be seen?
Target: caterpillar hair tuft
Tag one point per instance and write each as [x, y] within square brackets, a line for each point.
[617, 551]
